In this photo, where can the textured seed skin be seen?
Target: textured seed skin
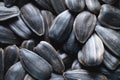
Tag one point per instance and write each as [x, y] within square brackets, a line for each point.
[1, 64]
[33, 18]
[110, 61]
[92, 52]
[7, 36]
[11, 56]
[20, 28]
[93, 5]
[9, 3]
[84, 25]
[15, 72]
[58, 5]
[110, 38]
[28, 44]
[46, 51]
[109, 16]
[61, 27]
[75, 5]
[35, 65]
[7, 13]
[82, 75]
[71, 46]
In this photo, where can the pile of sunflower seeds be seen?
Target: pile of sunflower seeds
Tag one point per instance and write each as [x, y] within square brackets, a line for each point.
[59, 39]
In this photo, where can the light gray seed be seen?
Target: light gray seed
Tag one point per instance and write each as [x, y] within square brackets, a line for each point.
[84, 25]
[7, 13]
[92, 52]
[93, 5]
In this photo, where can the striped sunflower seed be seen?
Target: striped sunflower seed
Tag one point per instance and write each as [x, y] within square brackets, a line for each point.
[83, 75]
[20, 28]
[7, 36]
[93, 5]
[46, 51]
[7, 13]
[84, 25]
[11, 56]
[110, 38]
[15, 72]
[33, 18]
[61, 27]
[109, 16]
[35, 65]
[110, 61]
[92, 52]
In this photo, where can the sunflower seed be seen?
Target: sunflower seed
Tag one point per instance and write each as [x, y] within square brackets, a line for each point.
[7, 13]
[109, 16]
[15, 72]
[92, 52]
[61, 27]
[110, 61]
[19, 27]
[28, 44]
[11, 56]
[33, 18]
[110, 37]
[46, 51]
[111, 75]
[83, 75]
[84, 25]
[7, 36]
[35, 65]
[93, 5]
